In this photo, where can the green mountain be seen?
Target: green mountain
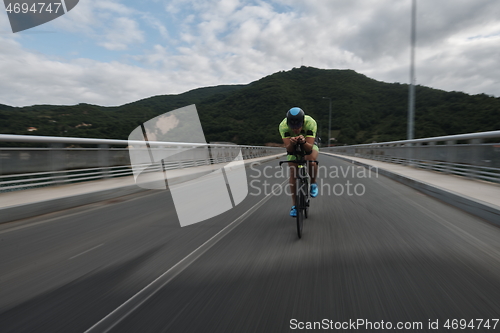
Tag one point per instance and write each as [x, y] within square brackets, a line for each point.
[363, 110]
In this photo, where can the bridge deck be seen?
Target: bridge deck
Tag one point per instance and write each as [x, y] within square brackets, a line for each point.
[474, 196]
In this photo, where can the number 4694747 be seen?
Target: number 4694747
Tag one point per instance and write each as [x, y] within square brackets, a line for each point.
[36, 8]
[455, 324]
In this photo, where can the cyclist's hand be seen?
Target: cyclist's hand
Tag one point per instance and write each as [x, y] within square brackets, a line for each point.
[293, 140]
[301, 139]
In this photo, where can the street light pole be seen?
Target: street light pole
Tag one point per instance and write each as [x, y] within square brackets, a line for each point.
[411, 100]
[329, 121]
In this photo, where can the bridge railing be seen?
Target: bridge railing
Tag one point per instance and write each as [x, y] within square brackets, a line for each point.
[58, 160]
[465, 155]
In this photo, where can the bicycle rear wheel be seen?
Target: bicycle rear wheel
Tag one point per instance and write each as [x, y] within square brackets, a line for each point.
[300, 205]
[305, 194]
[306, 208]
[306, 199]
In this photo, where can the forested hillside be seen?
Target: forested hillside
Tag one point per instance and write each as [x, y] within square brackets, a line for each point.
[363, 110]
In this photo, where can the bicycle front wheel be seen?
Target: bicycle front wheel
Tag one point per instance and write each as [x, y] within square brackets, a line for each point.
[300, 205]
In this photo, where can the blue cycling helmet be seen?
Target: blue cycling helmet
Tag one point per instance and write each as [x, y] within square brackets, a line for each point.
[295, 118]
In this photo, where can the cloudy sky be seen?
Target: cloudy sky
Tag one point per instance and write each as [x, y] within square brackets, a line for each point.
[111, 52]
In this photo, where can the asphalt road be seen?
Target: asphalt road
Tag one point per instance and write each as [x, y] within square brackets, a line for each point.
[379, 252]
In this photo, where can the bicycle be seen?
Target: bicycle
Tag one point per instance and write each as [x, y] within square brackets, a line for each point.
[302, 202]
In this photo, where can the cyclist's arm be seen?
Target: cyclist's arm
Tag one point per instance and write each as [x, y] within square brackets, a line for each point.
[292, 141]
[308, 145]
[311, 131]
[289, 144]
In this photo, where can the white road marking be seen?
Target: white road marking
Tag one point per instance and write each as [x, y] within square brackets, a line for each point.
[95, 247]
[121, 312]
[52, 219]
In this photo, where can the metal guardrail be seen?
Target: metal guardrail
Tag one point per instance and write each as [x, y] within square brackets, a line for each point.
[22, 168]
[464, 155]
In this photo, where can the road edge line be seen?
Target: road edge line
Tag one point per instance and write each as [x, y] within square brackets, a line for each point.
[477, 208]
[120, 313]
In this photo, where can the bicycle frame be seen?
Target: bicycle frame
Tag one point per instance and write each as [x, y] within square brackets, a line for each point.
[302, 186]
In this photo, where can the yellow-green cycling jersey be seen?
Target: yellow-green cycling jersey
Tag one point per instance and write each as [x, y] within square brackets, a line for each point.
[308, 130]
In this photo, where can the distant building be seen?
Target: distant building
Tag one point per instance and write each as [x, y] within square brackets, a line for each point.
[83, 125]
[32, 129]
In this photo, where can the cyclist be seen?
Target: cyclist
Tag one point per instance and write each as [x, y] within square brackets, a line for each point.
[297, 128]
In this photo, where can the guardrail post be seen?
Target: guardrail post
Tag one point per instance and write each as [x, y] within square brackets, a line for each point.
[408, 153]
[180, 163]
[450, 155]
[475, 156]
[430, 155]
[417, 156]
[1, 165]
[104, 161]
[58, 162]
[210, 158]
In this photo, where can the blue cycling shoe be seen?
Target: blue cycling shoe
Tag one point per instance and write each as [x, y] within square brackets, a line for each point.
[293, 212]
[314, 190]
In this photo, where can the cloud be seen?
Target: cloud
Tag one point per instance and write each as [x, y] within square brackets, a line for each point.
[111, 24]
[36, 79]
[157, 24]
[123, 32]
[237, 41]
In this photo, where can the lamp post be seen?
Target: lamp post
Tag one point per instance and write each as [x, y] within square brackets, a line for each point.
[411, 99]
[329, 120]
